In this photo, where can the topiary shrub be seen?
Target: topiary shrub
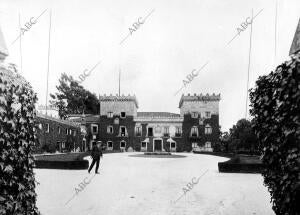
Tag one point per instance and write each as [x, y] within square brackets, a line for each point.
[275, 103]
[17, 137]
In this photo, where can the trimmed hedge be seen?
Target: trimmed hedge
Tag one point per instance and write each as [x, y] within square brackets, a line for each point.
[62, 161]
[76, 164]
[221, 154]
[238, 165]
[275, 105]
[157, 153]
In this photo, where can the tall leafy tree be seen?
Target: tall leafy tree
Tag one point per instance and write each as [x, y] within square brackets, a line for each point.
[242, 134]
[72, 98]
[224, 140]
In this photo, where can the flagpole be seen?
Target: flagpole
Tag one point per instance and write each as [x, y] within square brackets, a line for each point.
[48, 63]
[275, 45]
[119, 82]
[249, 60]
[21, 58]
[120, 61]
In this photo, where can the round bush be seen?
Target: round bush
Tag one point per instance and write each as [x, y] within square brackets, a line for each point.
[275, 105]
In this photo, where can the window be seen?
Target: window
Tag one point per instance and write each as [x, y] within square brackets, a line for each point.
[138, 131]
[58, 146]
[47, 128]
[144, 145]
[207, 114]
[122, 144]
[194, 145]
[173, 145]
[194, 115]
[109, 145]
[66, 131]
[110, 129]
[200, 121]
[70, 131]
[166, 131]
[123, 114]
[63, 145]
[58, 130]
[94, 129]
[208, 129]
[194, 131]
[84, 145]
[178, 132]
[123, 131]
[208, 145]
[150, 132]
[41, 126]
[110, 115]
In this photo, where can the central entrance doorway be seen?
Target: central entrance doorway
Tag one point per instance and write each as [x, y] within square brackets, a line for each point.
[157, 145]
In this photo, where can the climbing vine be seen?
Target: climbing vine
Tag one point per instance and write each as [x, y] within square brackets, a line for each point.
[275, 105]
[17, 135]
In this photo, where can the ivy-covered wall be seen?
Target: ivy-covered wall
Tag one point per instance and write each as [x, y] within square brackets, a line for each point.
[276, 110]
[17, 135]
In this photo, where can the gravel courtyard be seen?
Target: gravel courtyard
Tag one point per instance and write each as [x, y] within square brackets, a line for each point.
[152, 186]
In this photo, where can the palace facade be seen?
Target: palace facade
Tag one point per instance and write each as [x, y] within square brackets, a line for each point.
[121, 127]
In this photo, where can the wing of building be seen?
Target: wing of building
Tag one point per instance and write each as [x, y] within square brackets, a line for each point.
[121, 127]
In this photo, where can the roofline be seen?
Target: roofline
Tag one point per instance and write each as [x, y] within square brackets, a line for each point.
[119, 98]
[199, 97]
[66, 122]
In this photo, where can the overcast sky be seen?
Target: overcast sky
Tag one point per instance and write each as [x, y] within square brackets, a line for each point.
[177, 37]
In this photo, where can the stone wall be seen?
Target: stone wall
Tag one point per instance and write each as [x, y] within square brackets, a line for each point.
[117, 107]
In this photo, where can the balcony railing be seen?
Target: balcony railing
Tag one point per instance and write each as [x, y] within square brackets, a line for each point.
[177, 134]
[194, 136]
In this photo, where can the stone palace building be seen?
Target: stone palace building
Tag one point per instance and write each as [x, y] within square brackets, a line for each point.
[121, 127]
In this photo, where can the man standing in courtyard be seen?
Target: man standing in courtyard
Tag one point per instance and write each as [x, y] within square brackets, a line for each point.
[96, 154]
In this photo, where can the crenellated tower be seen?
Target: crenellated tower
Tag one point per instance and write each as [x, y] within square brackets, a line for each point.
[117, 105]
[201, 121]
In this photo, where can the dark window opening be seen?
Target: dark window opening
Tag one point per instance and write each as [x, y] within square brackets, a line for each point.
[123, 131]
[123, 144]
[150, 132]
[144, 144]
[123, 114]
